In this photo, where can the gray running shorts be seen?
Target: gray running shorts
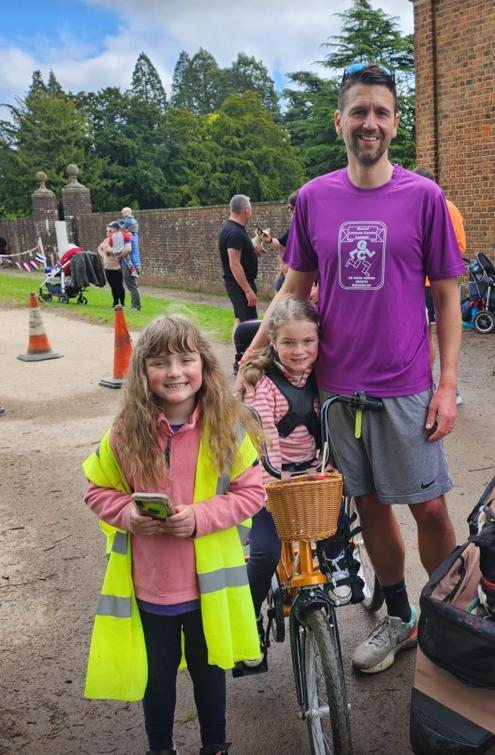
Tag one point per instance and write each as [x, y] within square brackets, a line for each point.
[392, 458]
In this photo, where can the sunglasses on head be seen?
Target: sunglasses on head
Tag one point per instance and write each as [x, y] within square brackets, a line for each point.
[355, 67]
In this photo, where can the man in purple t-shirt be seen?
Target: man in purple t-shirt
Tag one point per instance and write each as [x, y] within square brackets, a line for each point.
[372, 232]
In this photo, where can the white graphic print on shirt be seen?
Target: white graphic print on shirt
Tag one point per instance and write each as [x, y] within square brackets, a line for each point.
[361, 250]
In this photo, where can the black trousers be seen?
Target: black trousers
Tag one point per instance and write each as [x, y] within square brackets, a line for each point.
[163, 645]
[115, 281]
[243, 335]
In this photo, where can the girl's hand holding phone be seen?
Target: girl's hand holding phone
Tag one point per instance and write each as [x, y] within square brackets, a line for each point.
[180, 524]
[144, 525]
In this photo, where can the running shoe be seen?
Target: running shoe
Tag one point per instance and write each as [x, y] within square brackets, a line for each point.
[389, 637]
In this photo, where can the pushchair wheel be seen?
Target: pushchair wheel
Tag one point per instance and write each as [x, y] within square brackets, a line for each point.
[63, 298]
[484, 321]
[82, 299]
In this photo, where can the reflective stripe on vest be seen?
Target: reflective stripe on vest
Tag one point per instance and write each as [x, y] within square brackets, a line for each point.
[119, 544]
[243, 531]
[235, 576]
[111, 605]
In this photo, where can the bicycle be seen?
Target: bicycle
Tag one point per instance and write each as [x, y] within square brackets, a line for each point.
[299, 591]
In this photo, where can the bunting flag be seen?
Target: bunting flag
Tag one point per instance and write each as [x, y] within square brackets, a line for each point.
[30, 264]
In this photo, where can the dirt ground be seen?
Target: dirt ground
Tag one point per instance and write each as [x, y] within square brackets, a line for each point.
[52, 562]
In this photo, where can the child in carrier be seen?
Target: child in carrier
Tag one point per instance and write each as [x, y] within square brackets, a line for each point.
[180, 432]
[121, 241]
[286, 398]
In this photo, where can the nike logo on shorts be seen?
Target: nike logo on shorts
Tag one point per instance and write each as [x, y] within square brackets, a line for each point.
[425, 485]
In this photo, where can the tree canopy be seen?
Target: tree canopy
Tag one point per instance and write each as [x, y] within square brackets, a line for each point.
[221, 130]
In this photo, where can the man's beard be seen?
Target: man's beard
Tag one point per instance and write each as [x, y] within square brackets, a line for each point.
[367, 158]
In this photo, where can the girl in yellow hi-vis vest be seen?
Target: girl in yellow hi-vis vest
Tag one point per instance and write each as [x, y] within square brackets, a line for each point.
[178, 584]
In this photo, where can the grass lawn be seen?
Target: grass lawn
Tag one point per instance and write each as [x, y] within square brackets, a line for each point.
[215, 321]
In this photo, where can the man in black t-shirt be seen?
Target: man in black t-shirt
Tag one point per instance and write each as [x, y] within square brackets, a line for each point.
[239, 261]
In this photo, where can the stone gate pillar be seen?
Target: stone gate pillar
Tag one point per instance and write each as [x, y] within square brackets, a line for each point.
[76, 200]
[45, 213]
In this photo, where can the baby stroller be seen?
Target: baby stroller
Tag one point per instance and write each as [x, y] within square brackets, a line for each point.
[479, 307]
[71, 275]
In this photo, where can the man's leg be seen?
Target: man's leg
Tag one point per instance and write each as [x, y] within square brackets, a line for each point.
[380, 527]
[436, 537]
[132, 286]
[385, 546]
[242, 312]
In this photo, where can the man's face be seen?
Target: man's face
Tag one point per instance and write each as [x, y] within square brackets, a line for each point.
[247, 213]
[367, 122]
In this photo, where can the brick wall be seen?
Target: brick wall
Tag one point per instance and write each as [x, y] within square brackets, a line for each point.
[20, 234]
[455, 115]
[179, 247]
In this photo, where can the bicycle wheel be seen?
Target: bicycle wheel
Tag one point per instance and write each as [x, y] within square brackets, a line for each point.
[373, 592]
[327, 713]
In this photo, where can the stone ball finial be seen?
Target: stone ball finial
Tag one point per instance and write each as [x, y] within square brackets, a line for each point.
[41, 178]
[72, 171]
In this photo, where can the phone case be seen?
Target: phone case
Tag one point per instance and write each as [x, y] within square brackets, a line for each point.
[157, 507]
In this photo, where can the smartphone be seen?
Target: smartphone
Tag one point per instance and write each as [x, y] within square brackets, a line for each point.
[156, 505]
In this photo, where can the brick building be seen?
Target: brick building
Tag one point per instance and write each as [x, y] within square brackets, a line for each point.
[455, 107]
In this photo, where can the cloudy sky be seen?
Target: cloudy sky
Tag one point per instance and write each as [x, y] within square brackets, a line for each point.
[92, 44]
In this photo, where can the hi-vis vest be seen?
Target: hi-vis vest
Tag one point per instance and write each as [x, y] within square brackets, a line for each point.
[117, 665]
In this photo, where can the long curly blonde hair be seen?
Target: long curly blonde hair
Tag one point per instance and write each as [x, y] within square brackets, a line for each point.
[255, 363]
[136, 424]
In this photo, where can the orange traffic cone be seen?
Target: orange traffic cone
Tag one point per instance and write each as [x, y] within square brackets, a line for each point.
[122, 351]
[38, 346]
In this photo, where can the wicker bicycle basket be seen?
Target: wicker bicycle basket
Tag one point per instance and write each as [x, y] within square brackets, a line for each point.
[305, 508]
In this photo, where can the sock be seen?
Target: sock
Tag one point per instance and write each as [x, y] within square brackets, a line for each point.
[397, 601]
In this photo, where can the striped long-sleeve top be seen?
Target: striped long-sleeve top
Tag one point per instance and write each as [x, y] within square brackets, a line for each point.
[272, 405]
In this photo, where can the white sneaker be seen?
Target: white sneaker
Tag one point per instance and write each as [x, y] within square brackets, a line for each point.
[389, 637]
[339, 580]
[459, 400]
[255, 662]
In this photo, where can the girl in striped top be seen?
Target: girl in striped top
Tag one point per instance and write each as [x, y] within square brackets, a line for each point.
[292, 430]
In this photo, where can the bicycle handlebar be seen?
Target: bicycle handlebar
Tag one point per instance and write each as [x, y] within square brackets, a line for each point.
[358, 400]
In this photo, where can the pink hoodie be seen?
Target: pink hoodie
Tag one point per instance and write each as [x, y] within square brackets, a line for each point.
[164, 568]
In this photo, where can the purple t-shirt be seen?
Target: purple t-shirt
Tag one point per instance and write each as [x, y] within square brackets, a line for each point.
[372, 249]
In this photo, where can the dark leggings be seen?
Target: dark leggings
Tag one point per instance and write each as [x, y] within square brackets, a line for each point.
[115, 281]
[163, 645]
[264, 555]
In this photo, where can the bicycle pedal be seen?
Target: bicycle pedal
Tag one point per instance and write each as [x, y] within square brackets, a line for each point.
[240, 669]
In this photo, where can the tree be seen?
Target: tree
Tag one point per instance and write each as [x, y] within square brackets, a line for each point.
[198, 84]
[180, 70]
[45, 132]
[309, 120]
[369, 34]
[254, 155]
[247, 74]
[147, 85]
[188, 158]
